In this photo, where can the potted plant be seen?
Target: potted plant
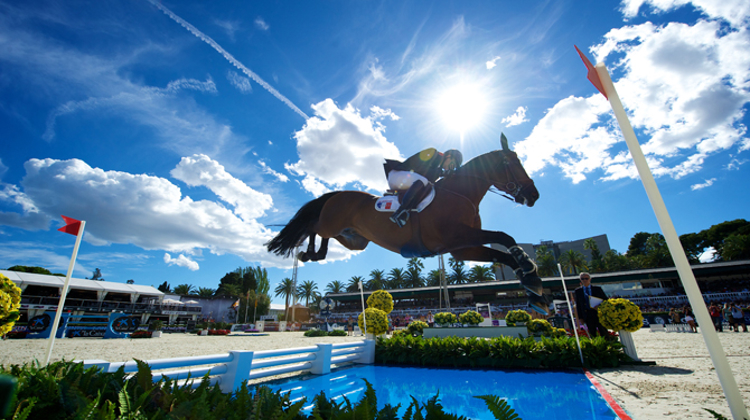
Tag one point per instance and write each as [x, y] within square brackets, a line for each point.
[471, 318]
[416, 328]
[625, 317]
[518, 317]
[377, 322]
[445, 319]
[155, 327]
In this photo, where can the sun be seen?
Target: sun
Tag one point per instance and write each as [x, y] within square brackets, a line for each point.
[462, 107]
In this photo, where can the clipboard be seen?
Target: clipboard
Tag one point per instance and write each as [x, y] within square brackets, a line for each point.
[594, 301]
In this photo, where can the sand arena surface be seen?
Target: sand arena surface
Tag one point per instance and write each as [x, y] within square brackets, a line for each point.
[681, 384]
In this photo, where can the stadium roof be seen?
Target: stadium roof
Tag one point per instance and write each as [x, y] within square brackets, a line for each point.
[21, 278]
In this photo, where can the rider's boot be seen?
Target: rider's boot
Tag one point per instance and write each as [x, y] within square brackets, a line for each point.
[413, 196]
[539, 304]
[526, 272]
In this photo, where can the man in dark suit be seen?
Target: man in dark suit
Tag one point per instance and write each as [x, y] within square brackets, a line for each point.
[586, 313]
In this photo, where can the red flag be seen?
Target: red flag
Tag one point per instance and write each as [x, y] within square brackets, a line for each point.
[72, 227]
[593, 76]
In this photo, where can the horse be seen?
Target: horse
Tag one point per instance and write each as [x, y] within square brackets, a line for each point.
[450, 224]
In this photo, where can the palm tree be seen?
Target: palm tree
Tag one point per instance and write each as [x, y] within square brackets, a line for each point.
[336, 286]
[545, 262]
[597, 265]
[458, 276]
[573, 261]
[396, 278]
[480, 273]
[414, 273]
[307, 290]
[353, 284]
[377, 280]
[206, 291]
[285, 289]
[433, 278]
[262, 284]
[184, 289]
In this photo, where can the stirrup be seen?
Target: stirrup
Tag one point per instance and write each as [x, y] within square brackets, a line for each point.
[400, 218]
[523, 259]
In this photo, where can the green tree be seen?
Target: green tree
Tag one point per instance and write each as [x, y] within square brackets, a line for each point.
[262, 284]
[573, 261]
[131, 281]
[692, 243]
[736, 247]
[545, 261]
[248, 309]
[307, 290]
[396, 278]
[286, 290]
[614, 261]
[28, 269]
[164, 288]
[657, 252]
[377, 280]
[637, 244]
[414, 273]
[353, 284]
[597, 265]
[184, 289]
[230, 279]
[205, 292]
[480, 273]
[717, 234]
[433, 278]
[247, 278]
[459, 275]
[334, 287]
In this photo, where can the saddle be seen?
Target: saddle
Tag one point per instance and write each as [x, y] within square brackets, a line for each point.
[391, 201]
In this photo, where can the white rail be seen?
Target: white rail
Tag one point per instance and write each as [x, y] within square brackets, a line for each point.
[231, 370]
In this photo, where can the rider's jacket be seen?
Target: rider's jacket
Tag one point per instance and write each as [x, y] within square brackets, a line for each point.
[427, 163]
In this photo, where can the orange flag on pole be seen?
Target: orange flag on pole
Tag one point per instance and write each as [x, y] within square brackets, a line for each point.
[593, 76]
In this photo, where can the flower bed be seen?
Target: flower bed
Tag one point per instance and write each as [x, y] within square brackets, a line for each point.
[141, 334]
[218, 332]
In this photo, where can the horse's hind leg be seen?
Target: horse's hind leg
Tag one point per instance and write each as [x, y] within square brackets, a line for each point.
[311, 254]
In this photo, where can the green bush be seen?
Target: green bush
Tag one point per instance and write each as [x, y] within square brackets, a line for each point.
[499, 352]
[519, 315]
[416, 327]
[470, 317]
[337, 333]
[445, 318]
[315, 333]
[377, 321]
[382, 300]
[64, 390]
[540, 327]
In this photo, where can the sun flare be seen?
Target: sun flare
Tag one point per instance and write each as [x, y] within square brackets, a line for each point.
[462, 107]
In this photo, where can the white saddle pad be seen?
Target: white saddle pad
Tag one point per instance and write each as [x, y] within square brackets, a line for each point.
[390, 203]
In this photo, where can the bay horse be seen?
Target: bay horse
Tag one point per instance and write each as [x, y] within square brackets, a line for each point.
[450, 224]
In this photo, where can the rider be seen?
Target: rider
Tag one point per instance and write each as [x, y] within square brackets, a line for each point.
[416, 175]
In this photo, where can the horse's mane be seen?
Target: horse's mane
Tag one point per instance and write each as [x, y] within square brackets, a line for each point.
[475, 167]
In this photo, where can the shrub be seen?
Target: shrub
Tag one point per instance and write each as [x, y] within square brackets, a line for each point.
[540, 327]
[620, 314]
[337, 333]
[315, 333]
[141, 334]
[382, 300]
[514, 317]
[10, 303]
[445, 318]
[377, 321]
[416, 327]
[17, 334]
[470, 317]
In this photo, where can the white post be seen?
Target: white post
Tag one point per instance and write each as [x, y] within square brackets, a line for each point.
[322, 363]
[61, 302]
[570, 310]
[238, 371]
[364, 315]
[718, 357]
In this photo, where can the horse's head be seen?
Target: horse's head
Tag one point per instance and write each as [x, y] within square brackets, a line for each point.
[510, 176]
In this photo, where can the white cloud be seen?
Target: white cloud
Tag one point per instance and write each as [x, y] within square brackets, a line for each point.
[708, 183]
[241, 83]
[230, 27]
[733, 11]
[261, 24]
[151, 212]
[685, 88]
[202, 171]
[281, 177]
[516, 118]
[339, 146]
[491, 64]
[181, 261]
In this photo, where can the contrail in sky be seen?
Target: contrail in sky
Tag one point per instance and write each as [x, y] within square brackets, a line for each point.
[207, 39]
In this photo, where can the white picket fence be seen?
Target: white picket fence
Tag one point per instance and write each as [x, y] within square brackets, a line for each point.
[231, 370]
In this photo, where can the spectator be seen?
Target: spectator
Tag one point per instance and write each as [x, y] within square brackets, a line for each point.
[675, 316]
[587, 313]
[688, 312]
[727, 312]
[715, 312]
[739, 318]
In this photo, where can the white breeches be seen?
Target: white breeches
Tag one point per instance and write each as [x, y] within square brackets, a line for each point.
[402, 180]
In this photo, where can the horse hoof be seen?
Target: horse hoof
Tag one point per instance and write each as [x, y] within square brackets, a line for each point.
[302, 256]
[533, 284]
[539, 304]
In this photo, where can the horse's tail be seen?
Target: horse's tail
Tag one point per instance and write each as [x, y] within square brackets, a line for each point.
[299, 228]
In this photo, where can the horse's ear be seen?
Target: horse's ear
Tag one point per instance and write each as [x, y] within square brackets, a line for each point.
[504, 142]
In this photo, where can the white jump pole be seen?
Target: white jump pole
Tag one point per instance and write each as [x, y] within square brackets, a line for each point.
[64, 293]
[570, 312]
[718, 357]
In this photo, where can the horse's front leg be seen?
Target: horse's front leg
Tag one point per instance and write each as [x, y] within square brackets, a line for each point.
[470, 241]
[311, 254]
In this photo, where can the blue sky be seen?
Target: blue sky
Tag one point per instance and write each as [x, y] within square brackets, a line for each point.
[185, 133]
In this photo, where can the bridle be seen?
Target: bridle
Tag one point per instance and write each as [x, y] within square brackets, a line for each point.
[513, 186]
